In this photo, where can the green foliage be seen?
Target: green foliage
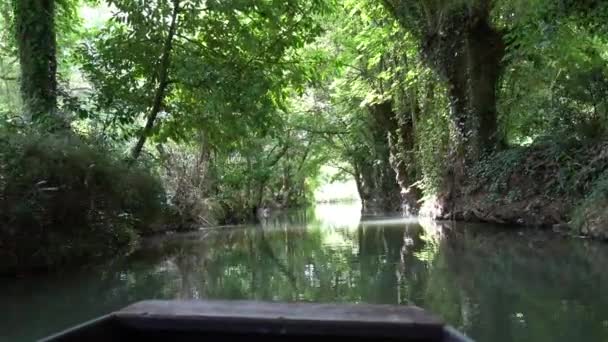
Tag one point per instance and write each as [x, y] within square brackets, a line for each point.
[566, 169]
[272, 170]
[433, 131]
[558, 72]
[590, 216]
[64, 201]
[245, 101]
[230, 65]
[235, 68]
[186, 179]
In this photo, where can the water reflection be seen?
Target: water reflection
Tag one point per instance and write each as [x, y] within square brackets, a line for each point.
[492, 284]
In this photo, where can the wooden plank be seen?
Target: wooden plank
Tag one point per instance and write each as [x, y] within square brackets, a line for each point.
[285, 319]
[354, 313]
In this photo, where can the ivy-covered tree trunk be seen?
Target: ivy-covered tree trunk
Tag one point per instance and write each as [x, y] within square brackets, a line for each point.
[400, 139]
[365, 184]
[459, 42]
[467, 52]
[35, 34]
[486, 50]
[461, 45]
[376, 178]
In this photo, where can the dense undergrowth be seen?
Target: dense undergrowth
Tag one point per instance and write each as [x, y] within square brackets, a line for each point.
[549, 183]
[66, 200]
[70, 199]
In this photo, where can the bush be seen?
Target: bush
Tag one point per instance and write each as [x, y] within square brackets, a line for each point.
[65, 201]
[558, 169]
[591, 216]
[187, 181]
[550, 183]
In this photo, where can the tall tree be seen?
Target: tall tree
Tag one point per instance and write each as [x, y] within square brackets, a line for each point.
[375, 93]
[460, 43]
[162, 81]
[216, 66]
[36, 41]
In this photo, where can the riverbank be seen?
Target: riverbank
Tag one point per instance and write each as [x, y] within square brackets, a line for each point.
[70, 200]
[556, 185]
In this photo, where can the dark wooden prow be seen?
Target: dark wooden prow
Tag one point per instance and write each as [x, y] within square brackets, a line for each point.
[242, 320]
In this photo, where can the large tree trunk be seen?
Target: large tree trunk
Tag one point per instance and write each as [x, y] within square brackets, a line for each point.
[366, 186]
[468, 57]
[163, 83]
[461, 45]
[35, 34]
[376, 181]
[400, 135]
[486, 50]
[402, 144]
[463, 48]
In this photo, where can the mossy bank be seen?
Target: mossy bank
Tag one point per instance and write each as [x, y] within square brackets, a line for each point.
[556, 185]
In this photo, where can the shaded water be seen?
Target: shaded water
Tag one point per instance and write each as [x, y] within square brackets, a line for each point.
[492, 284]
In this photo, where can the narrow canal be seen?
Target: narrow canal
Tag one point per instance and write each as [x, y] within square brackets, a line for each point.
[493, 284]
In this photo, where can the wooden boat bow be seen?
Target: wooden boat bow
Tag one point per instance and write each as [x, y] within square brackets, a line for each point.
[241, 320]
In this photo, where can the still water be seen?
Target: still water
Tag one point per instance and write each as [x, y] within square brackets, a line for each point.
[492, 284]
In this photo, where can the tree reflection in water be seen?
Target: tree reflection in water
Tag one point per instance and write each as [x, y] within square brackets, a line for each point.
[493, 284]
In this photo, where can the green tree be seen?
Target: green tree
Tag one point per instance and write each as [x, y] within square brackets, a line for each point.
[36, 41]
[218, 66]
[460, 42]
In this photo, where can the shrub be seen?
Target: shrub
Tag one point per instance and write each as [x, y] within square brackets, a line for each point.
[187, 180]
[557, 169]
[64, 201]
[590, 217]
[550, 182]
